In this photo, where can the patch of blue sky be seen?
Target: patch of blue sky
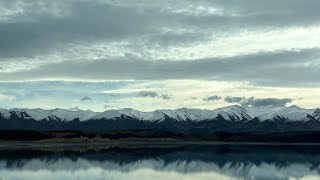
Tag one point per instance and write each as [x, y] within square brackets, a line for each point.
[65, 91]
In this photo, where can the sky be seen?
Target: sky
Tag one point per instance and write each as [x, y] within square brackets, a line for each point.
[160, 54]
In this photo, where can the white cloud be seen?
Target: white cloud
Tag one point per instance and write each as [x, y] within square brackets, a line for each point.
[126, 90]
[5, 98]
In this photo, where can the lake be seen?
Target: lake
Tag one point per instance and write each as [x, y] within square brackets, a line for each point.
[191, 162]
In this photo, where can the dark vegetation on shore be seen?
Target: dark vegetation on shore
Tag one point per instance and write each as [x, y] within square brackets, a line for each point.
[157, 135]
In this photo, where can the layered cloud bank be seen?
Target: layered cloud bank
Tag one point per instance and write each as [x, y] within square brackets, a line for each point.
[266, 50]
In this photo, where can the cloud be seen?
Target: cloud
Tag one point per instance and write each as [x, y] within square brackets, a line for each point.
[212, 98]
[234, 99]
[86, 99]
[117, 40]
[109, 107]
[252, 101]
[289, 68]
[53, 94]
[267, 102]
[75, 108]
[39, 32]
[32, 30]
[152, 94]
[5, 98]
[193, 97]
[147, 94]
[266, 45]
[36, 27]
[126, 90]
[166, 96]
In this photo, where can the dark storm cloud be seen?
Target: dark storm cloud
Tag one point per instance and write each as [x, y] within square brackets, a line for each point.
[147, 94]
[262, 43]
[84, 21]
[152, 94]
[252, 101]
[43, 27]
[230, 99]
[267, 102]
[212, 98]
[289, 68]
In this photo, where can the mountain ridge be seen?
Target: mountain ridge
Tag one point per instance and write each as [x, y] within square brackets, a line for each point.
[236, 111]
[230, 119]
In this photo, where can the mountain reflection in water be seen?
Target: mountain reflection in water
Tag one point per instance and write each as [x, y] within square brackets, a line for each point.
[201, 162]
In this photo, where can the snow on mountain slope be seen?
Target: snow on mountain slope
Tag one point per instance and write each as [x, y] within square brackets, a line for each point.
[292, 113]
[235, 112]
[158, 115]
[316, 114]
[183, 114]
[112, 114]
[257, 111]
[56, 114]
[5, 113]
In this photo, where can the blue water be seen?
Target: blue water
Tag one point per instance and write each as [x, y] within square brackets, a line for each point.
[197, 162]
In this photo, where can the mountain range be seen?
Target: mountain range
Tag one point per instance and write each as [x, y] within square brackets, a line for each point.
[228, 119]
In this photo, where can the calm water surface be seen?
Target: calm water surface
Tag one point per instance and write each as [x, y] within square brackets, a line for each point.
[197, 162]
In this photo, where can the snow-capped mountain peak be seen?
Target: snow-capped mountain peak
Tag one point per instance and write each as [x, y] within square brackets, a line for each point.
[4, 113]
[316, 114]
[54, 114]
[229, 113]
[292, 113]
[234, 112]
